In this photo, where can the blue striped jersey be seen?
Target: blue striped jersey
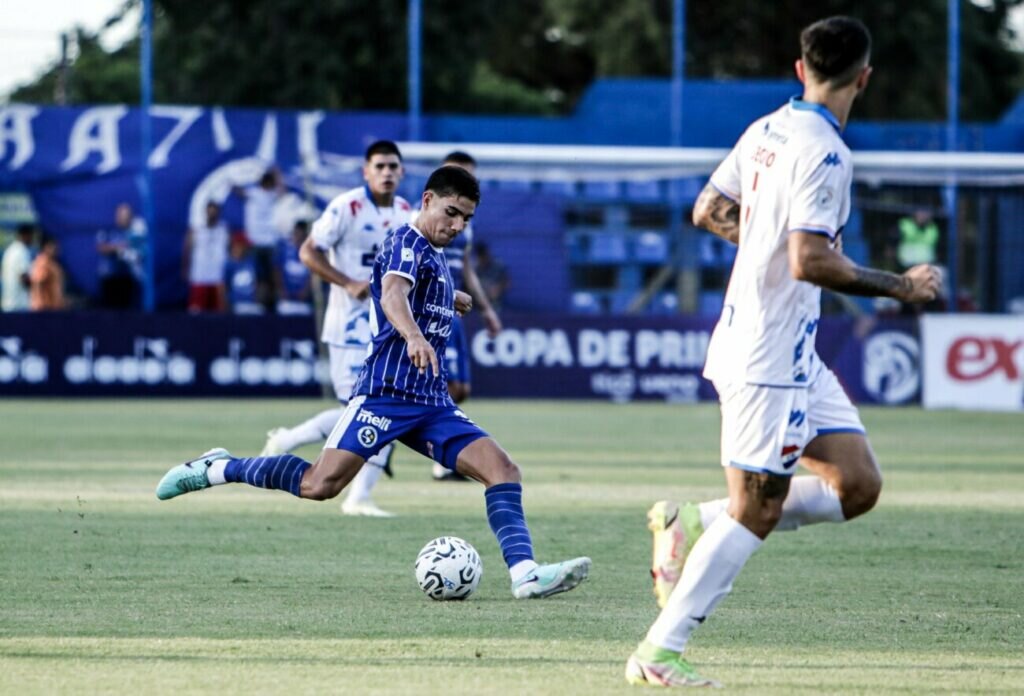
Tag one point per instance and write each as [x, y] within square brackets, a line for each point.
[456, 254]
[388, 371]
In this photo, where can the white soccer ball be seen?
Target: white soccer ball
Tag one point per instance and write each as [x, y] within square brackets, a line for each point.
[448, 568]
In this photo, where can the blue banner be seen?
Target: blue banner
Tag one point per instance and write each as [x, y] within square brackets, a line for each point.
[661, 358]
[536, 356]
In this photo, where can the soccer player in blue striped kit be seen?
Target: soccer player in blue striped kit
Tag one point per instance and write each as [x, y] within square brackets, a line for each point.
[402, 394]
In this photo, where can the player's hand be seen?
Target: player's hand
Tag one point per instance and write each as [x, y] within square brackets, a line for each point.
[358, 290]
[422, 354]
[463, 302]
[492, 322]
[924, 284]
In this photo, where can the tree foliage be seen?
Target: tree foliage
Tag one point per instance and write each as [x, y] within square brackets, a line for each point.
[529, 56]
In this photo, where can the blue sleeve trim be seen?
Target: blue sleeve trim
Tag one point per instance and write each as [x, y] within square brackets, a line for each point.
[719, 189]
[834, 431]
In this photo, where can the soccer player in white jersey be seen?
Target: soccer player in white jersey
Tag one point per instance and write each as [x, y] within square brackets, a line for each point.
[341, 250]
[402, 394]
[782, 195]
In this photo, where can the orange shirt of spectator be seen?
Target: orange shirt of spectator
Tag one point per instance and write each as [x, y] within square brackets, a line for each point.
[47, 278]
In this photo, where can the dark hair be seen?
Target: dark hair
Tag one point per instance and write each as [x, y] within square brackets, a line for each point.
[835, 49]
[451, 180]
[25, 229]
[268, 178]
[46, 240]
[460, 157]
[382, 147]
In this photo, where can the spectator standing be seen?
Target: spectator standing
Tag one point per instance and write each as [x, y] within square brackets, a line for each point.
[121, 249]
[240, 277]
[291, 275]
[261, 231]
[47, 278]
[919, 237]
[204, 259]
[16, 265]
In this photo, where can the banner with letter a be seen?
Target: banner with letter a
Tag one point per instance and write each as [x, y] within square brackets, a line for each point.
[973, 361]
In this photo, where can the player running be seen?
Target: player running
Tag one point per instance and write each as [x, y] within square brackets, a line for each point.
[402, 394]
[782, 195]
[341, 249]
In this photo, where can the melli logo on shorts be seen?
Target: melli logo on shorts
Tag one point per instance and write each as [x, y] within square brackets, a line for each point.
[367, 417]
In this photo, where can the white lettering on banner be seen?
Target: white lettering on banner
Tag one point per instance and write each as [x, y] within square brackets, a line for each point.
[309, 148]
[598, 348]
[515, 348]
[151, 362]
[675, 387]
[671, 349]
[296, 364]
[222, 139]
[96, 131]
[619, 387]
[267, 149]
[186, 116]
[16, 129]
[20, 365]
[973, 362]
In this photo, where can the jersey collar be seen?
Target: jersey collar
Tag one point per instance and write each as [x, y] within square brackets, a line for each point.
[799, 104]
[373, 201]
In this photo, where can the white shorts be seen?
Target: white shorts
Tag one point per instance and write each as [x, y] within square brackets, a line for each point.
[765, 429]
[346, 362]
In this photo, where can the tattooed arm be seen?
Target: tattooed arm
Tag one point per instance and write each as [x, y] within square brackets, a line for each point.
[812, 259]
[716, 213]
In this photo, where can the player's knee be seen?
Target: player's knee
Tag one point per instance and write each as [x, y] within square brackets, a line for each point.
[860, 495]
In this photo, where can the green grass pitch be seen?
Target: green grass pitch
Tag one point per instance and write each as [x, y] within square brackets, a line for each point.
[103, 589]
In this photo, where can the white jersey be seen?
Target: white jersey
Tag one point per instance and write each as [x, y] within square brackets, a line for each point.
[351, 231]
[790, 171]
[209, 254]
[16, 263]
[259, 216]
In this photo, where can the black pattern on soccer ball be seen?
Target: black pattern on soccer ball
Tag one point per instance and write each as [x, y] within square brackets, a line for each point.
[448, 568]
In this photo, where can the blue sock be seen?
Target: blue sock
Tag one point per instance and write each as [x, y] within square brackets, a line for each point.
[283, 472]
[505, 515]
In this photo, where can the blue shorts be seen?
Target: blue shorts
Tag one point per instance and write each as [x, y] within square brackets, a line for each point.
[456, 353]
[371, 422]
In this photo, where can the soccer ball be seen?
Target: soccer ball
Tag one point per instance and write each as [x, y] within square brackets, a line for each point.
[448, 568]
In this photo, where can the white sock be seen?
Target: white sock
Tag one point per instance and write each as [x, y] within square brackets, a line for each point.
[366, 479]
[313, 430]
[710, 510]
[521, 569]
[215, 472]
[716, 559]
[810, 501]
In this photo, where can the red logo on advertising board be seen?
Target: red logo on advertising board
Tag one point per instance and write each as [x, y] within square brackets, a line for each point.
[972, 358]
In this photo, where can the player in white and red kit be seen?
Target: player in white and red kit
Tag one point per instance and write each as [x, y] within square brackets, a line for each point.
[782, 195]
[341, 249]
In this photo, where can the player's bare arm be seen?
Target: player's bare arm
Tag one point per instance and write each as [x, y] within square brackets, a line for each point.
[394, 300]
[812, 259]
[476, 289]
[718, 214]
[316, 261]
[463, 302]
